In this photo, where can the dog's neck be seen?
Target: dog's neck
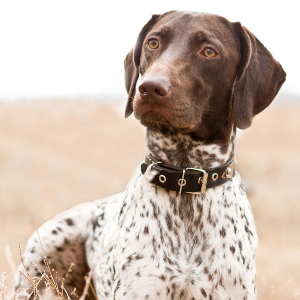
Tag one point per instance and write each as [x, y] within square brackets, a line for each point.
[185, 150]
[188, 151]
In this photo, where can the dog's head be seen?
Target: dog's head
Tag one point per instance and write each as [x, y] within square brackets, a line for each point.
[198, 72]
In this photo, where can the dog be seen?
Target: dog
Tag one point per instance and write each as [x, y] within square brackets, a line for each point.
[183, 228]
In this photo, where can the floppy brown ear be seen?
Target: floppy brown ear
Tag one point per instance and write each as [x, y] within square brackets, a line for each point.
[258, 80]
[132, 64]
[131, 77]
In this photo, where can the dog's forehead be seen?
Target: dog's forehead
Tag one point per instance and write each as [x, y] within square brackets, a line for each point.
[193, 23]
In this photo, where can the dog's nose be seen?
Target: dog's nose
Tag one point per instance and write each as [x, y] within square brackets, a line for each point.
[154, 87]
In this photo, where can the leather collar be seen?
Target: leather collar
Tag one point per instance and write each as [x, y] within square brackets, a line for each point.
[188, 180]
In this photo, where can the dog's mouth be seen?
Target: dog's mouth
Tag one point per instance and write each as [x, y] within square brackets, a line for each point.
[155, 115]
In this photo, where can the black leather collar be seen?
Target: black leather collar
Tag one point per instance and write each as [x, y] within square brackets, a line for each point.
[188, 180]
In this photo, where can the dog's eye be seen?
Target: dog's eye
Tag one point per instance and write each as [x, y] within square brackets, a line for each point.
[208, 52]
[153, 44]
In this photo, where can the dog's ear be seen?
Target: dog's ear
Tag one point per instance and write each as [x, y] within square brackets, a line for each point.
[258, 79]
[132, 64]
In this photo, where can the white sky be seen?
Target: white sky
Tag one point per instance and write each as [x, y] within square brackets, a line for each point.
[71, 47]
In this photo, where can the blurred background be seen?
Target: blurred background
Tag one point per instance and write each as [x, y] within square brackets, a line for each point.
[62, 131]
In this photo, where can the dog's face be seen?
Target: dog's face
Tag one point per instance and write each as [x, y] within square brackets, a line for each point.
[188, 66]
[199, 73]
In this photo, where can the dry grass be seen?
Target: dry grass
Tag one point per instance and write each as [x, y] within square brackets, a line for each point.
[54, 285]
[54, 155]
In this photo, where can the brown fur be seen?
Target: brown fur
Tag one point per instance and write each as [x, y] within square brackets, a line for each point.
[214, 94]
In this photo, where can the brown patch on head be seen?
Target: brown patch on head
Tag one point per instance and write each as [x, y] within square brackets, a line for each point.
[188, 79]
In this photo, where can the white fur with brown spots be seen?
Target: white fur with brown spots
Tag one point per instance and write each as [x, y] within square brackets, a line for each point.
[150, 243]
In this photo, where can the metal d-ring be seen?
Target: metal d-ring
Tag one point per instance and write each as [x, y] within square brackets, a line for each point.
[153, 164]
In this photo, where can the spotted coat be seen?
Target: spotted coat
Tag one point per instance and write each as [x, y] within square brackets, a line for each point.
[150, 243]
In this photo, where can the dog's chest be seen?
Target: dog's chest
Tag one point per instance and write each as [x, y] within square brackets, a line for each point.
[170, 249]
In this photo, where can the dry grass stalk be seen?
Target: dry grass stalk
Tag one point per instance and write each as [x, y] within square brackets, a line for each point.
[87, 284]
[28, 276]
[2, 285]
[51, 278]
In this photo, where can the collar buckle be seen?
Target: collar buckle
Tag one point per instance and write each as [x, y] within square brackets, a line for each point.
[202, 180]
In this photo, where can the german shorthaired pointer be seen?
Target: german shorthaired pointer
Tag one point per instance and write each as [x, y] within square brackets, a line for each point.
[183, 228]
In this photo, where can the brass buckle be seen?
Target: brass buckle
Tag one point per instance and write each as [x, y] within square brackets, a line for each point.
[202, 180]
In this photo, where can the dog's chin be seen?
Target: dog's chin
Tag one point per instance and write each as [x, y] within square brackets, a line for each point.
[153, 119]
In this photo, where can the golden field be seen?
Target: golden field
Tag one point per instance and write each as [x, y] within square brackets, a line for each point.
[56, 154]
